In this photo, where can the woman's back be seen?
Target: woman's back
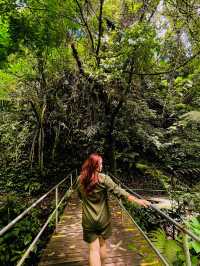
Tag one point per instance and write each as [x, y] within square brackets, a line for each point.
[95, 208]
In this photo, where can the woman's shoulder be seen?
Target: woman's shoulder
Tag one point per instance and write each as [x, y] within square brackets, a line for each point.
[102, 177]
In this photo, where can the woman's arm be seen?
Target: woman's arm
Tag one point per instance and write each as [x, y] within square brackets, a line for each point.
[141, 202]
[114, 188]
[119, 192]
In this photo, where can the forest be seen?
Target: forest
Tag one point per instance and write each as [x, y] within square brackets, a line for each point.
[116, 77]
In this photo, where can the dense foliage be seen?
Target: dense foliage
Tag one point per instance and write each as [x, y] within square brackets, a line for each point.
[117, 77]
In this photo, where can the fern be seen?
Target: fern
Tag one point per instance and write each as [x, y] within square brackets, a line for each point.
[191, 116]
[194, 225]
[168, 247]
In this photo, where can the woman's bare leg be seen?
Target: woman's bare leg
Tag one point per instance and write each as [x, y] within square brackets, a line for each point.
[94, 253]
[103, 251]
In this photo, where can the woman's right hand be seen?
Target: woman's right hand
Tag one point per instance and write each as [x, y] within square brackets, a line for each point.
[143, 202]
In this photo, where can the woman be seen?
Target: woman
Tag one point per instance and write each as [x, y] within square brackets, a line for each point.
[92, 187]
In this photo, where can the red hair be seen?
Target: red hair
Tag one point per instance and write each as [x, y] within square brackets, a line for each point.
[88, 175]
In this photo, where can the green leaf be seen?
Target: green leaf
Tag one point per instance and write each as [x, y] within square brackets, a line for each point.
[131, 246]
[196, 246]
[27, 239]
[171, 249]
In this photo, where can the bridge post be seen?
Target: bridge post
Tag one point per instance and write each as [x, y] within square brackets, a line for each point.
[71, 180]
[122, 219]
[56, 207]
[122, 216]
[186, 249]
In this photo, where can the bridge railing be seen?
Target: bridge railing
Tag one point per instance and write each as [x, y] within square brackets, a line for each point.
[52, 215]
[185, 232]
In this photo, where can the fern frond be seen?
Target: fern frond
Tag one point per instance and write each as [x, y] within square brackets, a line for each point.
[168, 247]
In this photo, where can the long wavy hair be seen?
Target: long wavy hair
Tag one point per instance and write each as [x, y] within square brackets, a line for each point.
[89, 172]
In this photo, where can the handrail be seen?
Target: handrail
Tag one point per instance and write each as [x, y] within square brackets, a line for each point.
[19, 217]
[144, 235]
[177, 225]
[21, 261]
[161, 190]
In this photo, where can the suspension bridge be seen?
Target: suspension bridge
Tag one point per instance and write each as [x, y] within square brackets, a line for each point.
[127, 246]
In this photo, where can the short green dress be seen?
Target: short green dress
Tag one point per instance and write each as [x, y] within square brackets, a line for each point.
[96, 215]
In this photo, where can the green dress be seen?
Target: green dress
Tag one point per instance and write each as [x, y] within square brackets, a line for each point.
[96, 215]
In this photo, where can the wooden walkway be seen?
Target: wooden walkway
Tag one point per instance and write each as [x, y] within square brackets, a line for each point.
[126, 247]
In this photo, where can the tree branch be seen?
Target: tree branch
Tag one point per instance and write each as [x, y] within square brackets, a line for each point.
[168, 71]
[153, 12]
[86, 25]
[144, 9]
[100, 31]
[78, 60]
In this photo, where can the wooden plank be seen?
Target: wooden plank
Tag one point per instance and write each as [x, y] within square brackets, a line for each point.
[126, 246]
